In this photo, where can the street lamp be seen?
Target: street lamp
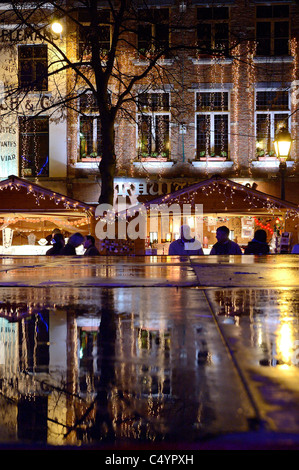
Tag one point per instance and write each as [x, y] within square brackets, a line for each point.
[282, 145]
[56, 27]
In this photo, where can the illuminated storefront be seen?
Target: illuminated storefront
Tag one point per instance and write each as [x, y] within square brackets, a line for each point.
[218, 201]
[29, 213]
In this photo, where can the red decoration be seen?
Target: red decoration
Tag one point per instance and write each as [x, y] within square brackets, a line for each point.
[264, 227]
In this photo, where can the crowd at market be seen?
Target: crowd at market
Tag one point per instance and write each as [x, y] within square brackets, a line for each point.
[62, 247]
[186, 245]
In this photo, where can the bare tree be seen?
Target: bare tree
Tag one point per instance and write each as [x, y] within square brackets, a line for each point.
[89, 59]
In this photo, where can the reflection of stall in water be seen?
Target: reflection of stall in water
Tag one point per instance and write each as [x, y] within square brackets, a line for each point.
[29, 213]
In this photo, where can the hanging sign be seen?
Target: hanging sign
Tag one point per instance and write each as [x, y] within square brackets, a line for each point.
[8, 150]
[8, 139]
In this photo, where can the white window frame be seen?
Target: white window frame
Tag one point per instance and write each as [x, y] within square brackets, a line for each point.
[213, 22]
[272, 21]
[87, 53]
[212, 115]
[153, 115]
[272, 114]
[95, 117]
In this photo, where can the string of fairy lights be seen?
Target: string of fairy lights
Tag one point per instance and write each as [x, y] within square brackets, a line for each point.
[294, 53]
[40, 194]
[216, 75]
[217, 80]
[8, 221]
[225, 192]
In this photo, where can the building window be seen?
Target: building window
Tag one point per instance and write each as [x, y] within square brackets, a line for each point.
[153, 125]
[90, 128]
[213, 30]
[272, 112]
[272, 30]
[212, 123]
[34, 146]
[103, 32]
[153, 31]
[33, 67]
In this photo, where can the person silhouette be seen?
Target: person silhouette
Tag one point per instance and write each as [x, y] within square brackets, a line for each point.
[224, 245]
[74, 241]
[258, 245]
[186, 244]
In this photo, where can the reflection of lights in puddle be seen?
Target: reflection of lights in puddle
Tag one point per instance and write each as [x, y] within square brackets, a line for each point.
[284, 367]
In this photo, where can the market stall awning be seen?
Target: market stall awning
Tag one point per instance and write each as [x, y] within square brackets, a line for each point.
[221, 195]
[21, 195]
[28, 207]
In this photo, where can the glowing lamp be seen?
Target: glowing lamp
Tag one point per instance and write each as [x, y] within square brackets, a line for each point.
[56, 27]
[282, 144]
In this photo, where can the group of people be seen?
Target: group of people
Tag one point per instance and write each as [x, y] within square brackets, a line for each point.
[186, 245]
[60, 247]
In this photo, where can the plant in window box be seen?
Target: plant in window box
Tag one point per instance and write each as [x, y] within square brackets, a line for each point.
[104, 54]
[144, 54]
[93, 156]
[154, 156]
[213, 157]
[262, 155]
[141, 52]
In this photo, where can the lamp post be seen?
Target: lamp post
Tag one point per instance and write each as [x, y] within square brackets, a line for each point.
[282, 145]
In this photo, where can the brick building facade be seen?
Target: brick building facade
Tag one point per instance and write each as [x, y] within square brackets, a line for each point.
[221, 112]
[209, 113]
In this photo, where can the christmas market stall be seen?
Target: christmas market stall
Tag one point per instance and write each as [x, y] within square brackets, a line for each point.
[206, 205]
[29, 213]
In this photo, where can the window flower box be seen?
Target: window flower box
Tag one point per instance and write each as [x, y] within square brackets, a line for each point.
[154, 159]
[212, 159]
[91, 159]
[267, 158]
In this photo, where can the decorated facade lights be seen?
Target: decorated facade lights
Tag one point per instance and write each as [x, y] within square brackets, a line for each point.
[36, 220]
[39, 193]
[227, 189]
[294, 94]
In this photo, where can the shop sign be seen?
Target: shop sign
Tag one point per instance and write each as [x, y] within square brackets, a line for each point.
[131, 190]
[8, 148]
[13, 35]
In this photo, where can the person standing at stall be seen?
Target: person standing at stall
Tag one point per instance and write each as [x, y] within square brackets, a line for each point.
[258, 245]
[58, 243]
[185, 245]
[74, 241]
[224, 245]
[89, 245]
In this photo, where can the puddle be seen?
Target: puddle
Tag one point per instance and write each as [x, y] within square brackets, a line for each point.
[95, 365]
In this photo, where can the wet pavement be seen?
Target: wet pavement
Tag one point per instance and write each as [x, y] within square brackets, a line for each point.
[150, 352]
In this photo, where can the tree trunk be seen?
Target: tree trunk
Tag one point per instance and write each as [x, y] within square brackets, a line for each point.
[108, 163]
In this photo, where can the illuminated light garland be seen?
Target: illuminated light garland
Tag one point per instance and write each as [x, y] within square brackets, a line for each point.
[294, 93]
[54, 220]
[40, 194]
[236, 84]
[252, 199]
[251, 80]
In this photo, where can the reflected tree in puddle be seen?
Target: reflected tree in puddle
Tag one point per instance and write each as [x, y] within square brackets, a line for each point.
[95, 422]
[112, 366]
